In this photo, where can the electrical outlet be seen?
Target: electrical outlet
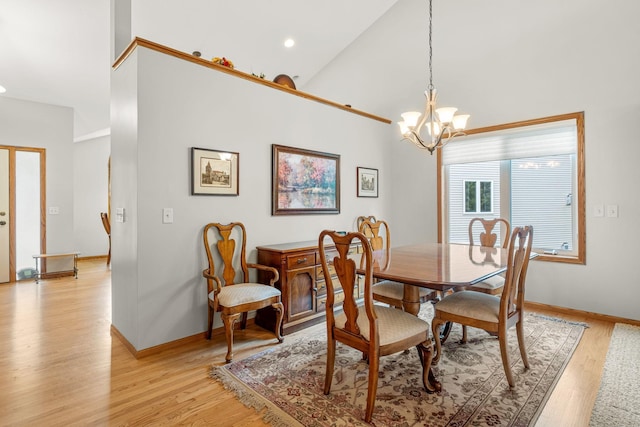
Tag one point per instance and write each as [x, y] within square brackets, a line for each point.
[54, 210]
[612, 211]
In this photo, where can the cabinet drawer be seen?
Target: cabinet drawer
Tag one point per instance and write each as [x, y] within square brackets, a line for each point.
[321, 304]
[301, 260]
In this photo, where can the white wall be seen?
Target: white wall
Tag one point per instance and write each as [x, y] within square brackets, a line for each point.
[161, 107]
[32, 124]
[504, 61]
[91, 188]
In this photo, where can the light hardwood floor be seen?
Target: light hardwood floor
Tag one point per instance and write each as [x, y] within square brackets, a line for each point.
[59, 365]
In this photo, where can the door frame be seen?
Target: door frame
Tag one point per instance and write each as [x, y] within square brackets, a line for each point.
[12, 203]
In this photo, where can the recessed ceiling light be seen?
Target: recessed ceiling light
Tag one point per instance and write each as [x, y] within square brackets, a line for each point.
[289, 42]
[2, 89]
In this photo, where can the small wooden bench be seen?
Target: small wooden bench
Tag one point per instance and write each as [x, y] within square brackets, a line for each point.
[42, 271]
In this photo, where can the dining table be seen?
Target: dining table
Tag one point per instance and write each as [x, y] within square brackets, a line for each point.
[441, 267]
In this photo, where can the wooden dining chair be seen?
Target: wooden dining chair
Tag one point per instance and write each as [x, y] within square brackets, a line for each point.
[107, 228]
[487, 236]
[387, 291]
[374, 330]
[230, 291]
[495, 314]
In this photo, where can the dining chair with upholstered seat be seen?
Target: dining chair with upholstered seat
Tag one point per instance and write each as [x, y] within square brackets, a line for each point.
[495, 314]
[229, 288]
[487, 236]
[107, 228]
[387, 291]
[373, 329]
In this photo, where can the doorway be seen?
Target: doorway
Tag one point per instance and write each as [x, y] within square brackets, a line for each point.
[22, 211]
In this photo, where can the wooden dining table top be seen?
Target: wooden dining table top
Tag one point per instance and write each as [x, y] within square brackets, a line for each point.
[439, 266]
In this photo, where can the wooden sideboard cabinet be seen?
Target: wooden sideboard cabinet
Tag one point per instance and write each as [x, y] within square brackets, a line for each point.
[301, 282]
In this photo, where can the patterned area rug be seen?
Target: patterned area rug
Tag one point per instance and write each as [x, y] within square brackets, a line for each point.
[288, 380]
[619, 393]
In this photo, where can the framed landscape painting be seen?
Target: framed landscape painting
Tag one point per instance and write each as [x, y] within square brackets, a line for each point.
[214, 172]
[367, 182]
[304, 181]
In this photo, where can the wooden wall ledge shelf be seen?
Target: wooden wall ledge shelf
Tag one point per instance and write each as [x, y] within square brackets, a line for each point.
[188, 57]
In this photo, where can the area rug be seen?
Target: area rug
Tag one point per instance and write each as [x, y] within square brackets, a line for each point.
[288, 380]
[619, 393]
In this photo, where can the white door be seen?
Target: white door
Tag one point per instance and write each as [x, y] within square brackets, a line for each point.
[4, 216]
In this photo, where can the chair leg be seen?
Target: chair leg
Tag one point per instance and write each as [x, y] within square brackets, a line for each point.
[504, 353]
[210, 324]
[279, 313]
[372, 388]
[243, 321]
[331, 357]
[425, 351]
[523, 348]
[435, 330]
[229, 321]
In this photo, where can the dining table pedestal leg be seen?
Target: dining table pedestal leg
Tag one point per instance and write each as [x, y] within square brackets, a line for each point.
[411, 299]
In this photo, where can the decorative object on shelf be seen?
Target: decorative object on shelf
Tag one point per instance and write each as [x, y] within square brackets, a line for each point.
[442, 123]
[367, 182]
[222, 61]
[304, 181]
[260, 76]
[214, 172]
[284, 80]
[196, 53]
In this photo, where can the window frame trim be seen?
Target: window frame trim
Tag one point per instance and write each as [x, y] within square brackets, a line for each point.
[581, 257]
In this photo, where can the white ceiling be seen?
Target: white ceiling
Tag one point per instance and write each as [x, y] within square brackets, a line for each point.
[57, 52]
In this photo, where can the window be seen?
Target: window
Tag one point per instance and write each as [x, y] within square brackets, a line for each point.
[530, 173]
[477, 196]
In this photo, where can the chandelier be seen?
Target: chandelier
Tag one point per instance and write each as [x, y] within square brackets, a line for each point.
[442, 123]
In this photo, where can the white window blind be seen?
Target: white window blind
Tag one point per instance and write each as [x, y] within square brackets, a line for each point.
[547, 139]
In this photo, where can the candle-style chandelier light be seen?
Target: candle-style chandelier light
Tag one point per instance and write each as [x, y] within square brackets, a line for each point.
[442, 123]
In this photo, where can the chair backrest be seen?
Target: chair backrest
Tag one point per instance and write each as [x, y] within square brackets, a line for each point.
[488, 236]
[223, 250]
[105, 222]
[379, 236]
[345, 268]
[362, 218]
[519, 252]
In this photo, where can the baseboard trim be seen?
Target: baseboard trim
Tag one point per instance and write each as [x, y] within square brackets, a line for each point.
[139, 354]
[564, 310]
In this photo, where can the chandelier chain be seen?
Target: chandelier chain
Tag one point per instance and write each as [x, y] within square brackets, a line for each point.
[430, 45]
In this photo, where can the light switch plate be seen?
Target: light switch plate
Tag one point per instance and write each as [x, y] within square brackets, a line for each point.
[167, 215]
[119, 214]
[612, 211]
[598, 210]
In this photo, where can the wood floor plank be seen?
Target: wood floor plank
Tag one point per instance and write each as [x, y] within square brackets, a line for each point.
[60, 366]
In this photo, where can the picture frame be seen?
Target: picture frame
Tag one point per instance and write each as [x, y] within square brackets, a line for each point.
[214, 172]
[304, 181]
[367, 179]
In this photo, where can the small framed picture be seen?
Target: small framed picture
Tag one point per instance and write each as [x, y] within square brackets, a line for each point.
[214, 172]
[367, 182]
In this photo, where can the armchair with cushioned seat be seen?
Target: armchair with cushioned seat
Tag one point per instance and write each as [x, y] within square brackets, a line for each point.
[229, 291]
[495, 314]
[375, 330]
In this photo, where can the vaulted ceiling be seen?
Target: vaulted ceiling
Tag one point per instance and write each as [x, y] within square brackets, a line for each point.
[58, 52]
